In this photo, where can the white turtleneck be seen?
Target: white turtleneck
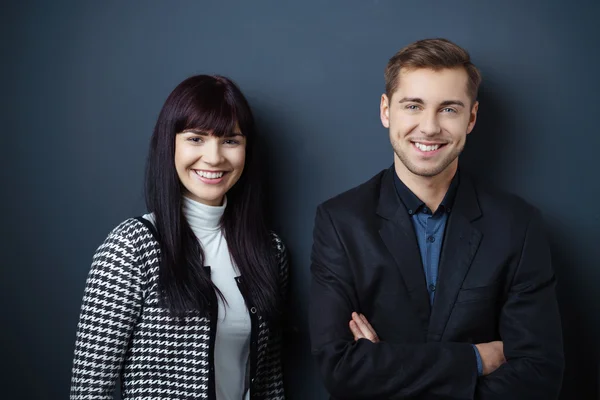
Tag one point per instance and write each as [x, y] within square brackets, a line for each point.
[232, 344]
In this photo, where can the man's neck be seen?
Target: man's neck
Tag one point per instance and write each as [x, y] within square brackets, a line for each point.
[430, 190]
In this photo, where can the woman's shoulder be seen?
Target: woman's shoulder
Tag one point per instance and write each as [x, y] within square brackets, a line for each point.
[129, 244]
[133, 228]
[130, 235]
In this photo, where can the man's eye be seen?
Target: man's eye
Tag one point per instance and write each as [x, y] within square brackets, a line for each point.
[412, 107]
[448, 109]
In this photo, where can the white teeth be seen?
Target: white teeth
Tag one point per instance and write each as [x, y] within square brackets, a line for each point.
[423, 147]
[209, 175]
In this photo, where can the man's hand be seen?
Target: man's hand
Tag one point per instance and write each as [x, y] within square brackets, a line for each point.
[492, 356]
[362, 329]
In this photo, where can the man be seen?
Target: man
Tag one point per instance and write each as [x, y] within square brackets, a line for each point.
[424, 284]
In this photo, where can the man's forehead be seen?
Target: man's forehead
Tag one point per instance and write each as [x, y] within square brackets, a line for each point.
[429, 83]
[456, 70]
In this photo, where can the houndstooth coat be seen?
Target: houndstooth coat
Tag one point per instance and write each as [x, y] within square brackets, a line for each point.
[124, 333]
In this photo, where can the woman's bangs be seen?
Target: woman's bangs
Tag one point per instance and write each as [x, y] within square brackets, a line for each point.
[216, 117]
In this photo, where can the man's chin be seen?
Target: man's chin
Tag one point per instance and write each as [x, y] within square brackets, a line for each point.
[430, 171]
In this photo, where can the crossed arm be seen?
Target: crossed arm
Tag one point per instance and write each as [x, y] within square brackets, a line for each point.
[368, 369]
[492, 353]
[362, 369]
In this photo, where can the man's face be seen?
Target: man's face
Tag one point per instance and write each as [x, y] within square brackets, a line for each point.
[428, 117]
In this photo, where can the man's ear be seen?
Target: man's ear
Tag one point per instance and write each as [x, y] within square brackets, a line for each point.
[473, 117]
[384, 111]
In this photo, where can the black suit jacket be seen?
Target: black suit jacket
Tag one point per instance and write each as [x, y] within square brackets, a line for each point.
[495, 282]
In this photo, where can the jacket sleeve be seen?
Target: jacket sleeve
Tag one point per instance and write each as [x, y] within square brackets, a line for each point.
[530, 328]
[271, 386]
[282, 258]
[111, 304]
[366, 370]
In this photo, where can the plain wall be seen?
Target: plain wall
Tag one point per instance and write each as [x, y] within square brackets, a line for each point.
[82, 83]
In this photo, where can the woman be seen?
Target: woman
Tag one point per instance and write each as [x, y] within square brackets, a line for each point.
[184, 302]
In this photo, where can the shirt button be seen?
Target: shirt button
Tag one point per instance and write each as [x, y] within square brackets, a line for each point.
[432, 287]
[253, 310]
[411, 212]
[431, 239]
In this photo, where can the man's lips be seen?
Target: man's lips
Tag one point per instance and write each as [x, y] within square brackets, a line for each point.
[428, 148]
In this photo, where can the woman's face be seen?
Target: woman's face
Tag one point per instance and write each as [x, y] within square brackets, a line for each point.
[208, 166]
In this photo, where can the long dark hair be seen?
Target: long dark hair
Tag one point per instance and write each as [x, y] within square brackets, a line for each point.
[214, 104]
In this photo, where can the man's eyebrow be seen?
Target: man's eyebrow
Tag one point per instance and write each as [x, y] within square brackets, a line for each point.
[442, 104]
[411, 100]
[452, 103]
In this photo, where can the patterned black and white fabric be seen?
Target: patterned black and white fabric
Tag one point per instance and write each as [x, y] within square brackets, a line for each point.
[123, 332]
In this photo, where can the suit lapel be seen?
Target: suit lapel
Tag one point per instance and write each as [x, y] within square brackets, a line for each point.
[398, 235]
[461, 242]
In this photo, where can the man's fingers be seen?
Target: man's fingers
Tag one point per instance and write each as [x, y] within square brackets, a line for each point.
[355, 331]
[364, 319]
[365, 328]
[361, 326]
[371, 334]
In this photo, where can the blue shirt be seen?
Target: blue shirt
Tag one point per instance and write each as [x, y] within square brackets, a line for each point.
[429, 230]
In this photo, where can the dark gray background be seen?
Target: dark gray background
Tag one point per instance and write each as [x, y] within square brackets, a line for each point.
[82, 84]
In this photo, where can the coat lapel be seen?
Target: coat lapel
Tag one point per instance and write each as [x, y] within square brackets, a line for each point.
[398, 235]
[461, 242]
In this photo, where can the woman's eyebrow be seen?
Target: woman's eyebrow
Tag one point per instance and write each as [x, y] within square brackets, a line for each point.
[197, 132]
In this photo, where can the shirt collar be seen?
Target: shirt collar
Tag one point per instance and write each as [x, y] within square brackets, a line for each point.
[414, 205]
[202, 217]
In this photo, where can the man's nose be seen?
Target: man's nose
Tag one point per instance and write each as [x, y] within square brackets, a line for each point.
[430, 124]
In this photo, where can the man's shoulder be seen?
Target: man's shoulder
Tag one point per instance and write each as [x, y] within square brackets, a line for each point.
[361, 198]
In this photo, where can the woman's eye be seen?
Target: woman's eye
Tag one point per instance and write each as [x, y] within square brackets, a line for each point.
[195, 139]
[231, 142]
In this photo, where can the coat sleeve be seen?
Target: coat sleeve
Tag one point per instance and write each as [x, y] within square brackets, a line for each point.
[362, 369]
[269, 382]
[530, 328]
[111, 304]
[282, 258]
[284, 276]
